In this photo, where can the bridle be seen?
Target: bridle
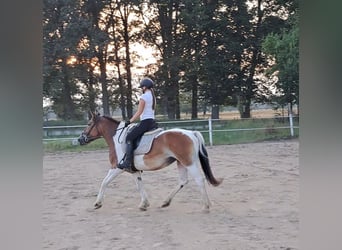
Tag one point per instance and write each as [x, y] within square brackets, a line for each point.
[86, 138]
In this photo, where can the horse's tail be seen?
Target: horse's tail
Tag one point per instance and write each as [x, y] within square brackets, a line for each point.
[203, 156]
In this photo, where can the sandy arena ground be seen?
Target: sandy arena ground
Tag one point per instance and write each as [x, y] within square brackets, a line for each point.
[256, 206]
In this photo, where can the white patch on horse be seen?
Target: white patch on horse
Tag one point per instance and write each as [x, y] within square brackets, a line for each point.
[183, 131]
[117, 141]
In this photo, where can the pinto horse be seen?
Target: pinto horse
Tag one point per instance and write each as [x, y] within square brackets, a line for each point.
[185, 147]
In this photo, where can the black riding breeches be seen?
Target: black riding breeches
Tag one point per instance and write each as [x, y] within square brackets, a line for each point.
[141, 128]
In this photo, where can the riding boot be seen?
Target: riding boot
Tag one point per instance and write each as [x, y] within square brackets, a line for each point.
[127, 164]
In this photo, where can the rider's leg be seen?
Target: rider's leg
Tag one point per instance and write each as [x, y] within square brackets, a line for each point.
[136, 132]
[128, 162]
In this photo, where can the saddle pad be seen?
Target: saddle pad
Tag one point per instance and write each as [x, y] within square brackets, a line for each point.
[146, 141]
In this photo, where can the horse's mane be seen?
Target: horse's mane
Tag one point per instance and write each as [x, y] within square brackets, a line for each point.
[111, 119]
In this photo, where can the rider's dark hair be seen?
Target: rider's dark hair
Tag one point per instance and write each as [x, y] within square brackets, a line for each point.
[154, 99]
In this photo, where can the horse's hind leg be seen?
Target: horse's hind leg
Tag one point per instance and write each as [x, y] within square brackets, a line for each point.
[112, 173]
[199, 179]
[144, 204]
[183, 179]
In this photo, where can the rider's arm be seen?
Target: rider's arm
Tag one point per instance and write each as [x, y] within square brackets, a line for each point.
[137, 114]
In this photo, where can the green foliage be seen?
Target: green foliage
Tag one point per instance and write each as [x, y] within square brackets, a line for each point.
[209, 51]
[55, 146]
[80, 39]
[60, 38]
[284, 48]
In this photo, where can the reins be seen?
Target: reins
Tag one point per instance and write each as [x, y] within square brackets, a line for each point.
[94, 125]
[122, 130]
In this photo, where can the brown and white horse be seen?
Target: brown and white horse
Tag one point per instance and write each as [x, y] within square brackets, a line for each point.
[183, 146]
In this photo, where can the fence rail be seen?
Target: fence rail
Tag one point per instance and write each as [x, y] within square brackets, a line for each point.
[210, 127]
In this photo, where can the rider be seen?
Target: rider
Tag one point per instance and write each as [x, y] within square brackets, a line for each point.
[146, 109]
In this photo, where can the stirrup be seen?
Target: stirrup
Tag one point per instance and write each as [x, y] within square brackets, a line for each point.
[129, 168]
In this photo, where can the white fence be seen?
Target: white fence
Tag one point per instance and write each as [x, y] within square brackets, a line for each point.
[210, 126]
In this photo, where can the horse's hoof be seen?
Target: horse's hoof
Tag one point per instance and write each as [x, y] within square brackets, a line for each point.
[166, 204]
[97, 205]
[144, 206]
[205, 210]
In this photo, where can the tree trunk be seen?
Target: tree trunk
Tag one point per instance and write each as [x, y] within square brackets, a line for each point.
[215, 112]
[91, 90]
[121, 86]
[168, 25]
[164, 105]
[246, 98]
[244, 106]
[122, 97]
[128, 71]
[178, 113]
[117, 60]
[67, 102]
[245, 110]
[177, 104]
[171, 91]
[104, 86]
[194, 98]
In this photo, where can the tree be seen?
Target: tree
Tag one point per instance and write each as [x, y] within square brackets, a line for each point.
[127, 18]
[81, 39]
[118, 94]
[162, 31]
[97, 37]
[223, 46]
[266, 16]
[60, 40]
[190, 43]
[284, 49]
[208, 50]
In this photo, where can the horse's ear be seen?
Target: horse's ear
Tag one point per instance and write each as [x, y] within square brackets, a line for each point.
[90, 115]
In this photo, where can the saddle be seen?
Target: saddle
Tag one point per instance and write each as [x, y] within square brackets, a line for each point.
[143, 144]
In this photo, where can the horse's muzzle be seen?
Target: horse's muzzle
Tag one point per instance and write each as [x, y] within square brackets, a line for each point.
[83, 139]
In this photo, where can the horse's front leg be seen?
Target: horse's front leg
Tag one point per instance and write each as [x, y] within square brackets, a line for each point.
[112, 173]
[144, 204]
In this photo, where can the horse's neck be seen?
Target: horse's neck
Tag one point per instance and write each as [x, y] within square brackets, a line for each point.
[109, 139]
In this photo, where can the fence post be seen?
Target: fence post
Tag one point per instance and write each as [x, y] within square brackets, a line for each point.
[210, 132]
[291, 120]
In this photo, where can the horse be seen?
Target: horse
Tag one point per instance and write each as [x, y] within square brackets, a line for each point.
[186, 147]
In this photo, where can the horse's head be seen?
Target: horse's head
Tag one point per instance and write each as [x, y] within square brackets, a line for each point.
[91, 132]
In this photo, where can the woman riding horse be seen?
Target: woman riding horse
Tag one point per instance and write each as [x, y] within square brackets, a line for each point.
[146, 108]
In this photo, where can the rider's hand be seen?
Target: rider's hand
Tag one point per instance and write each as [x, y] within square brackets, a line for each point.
[127, 123]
